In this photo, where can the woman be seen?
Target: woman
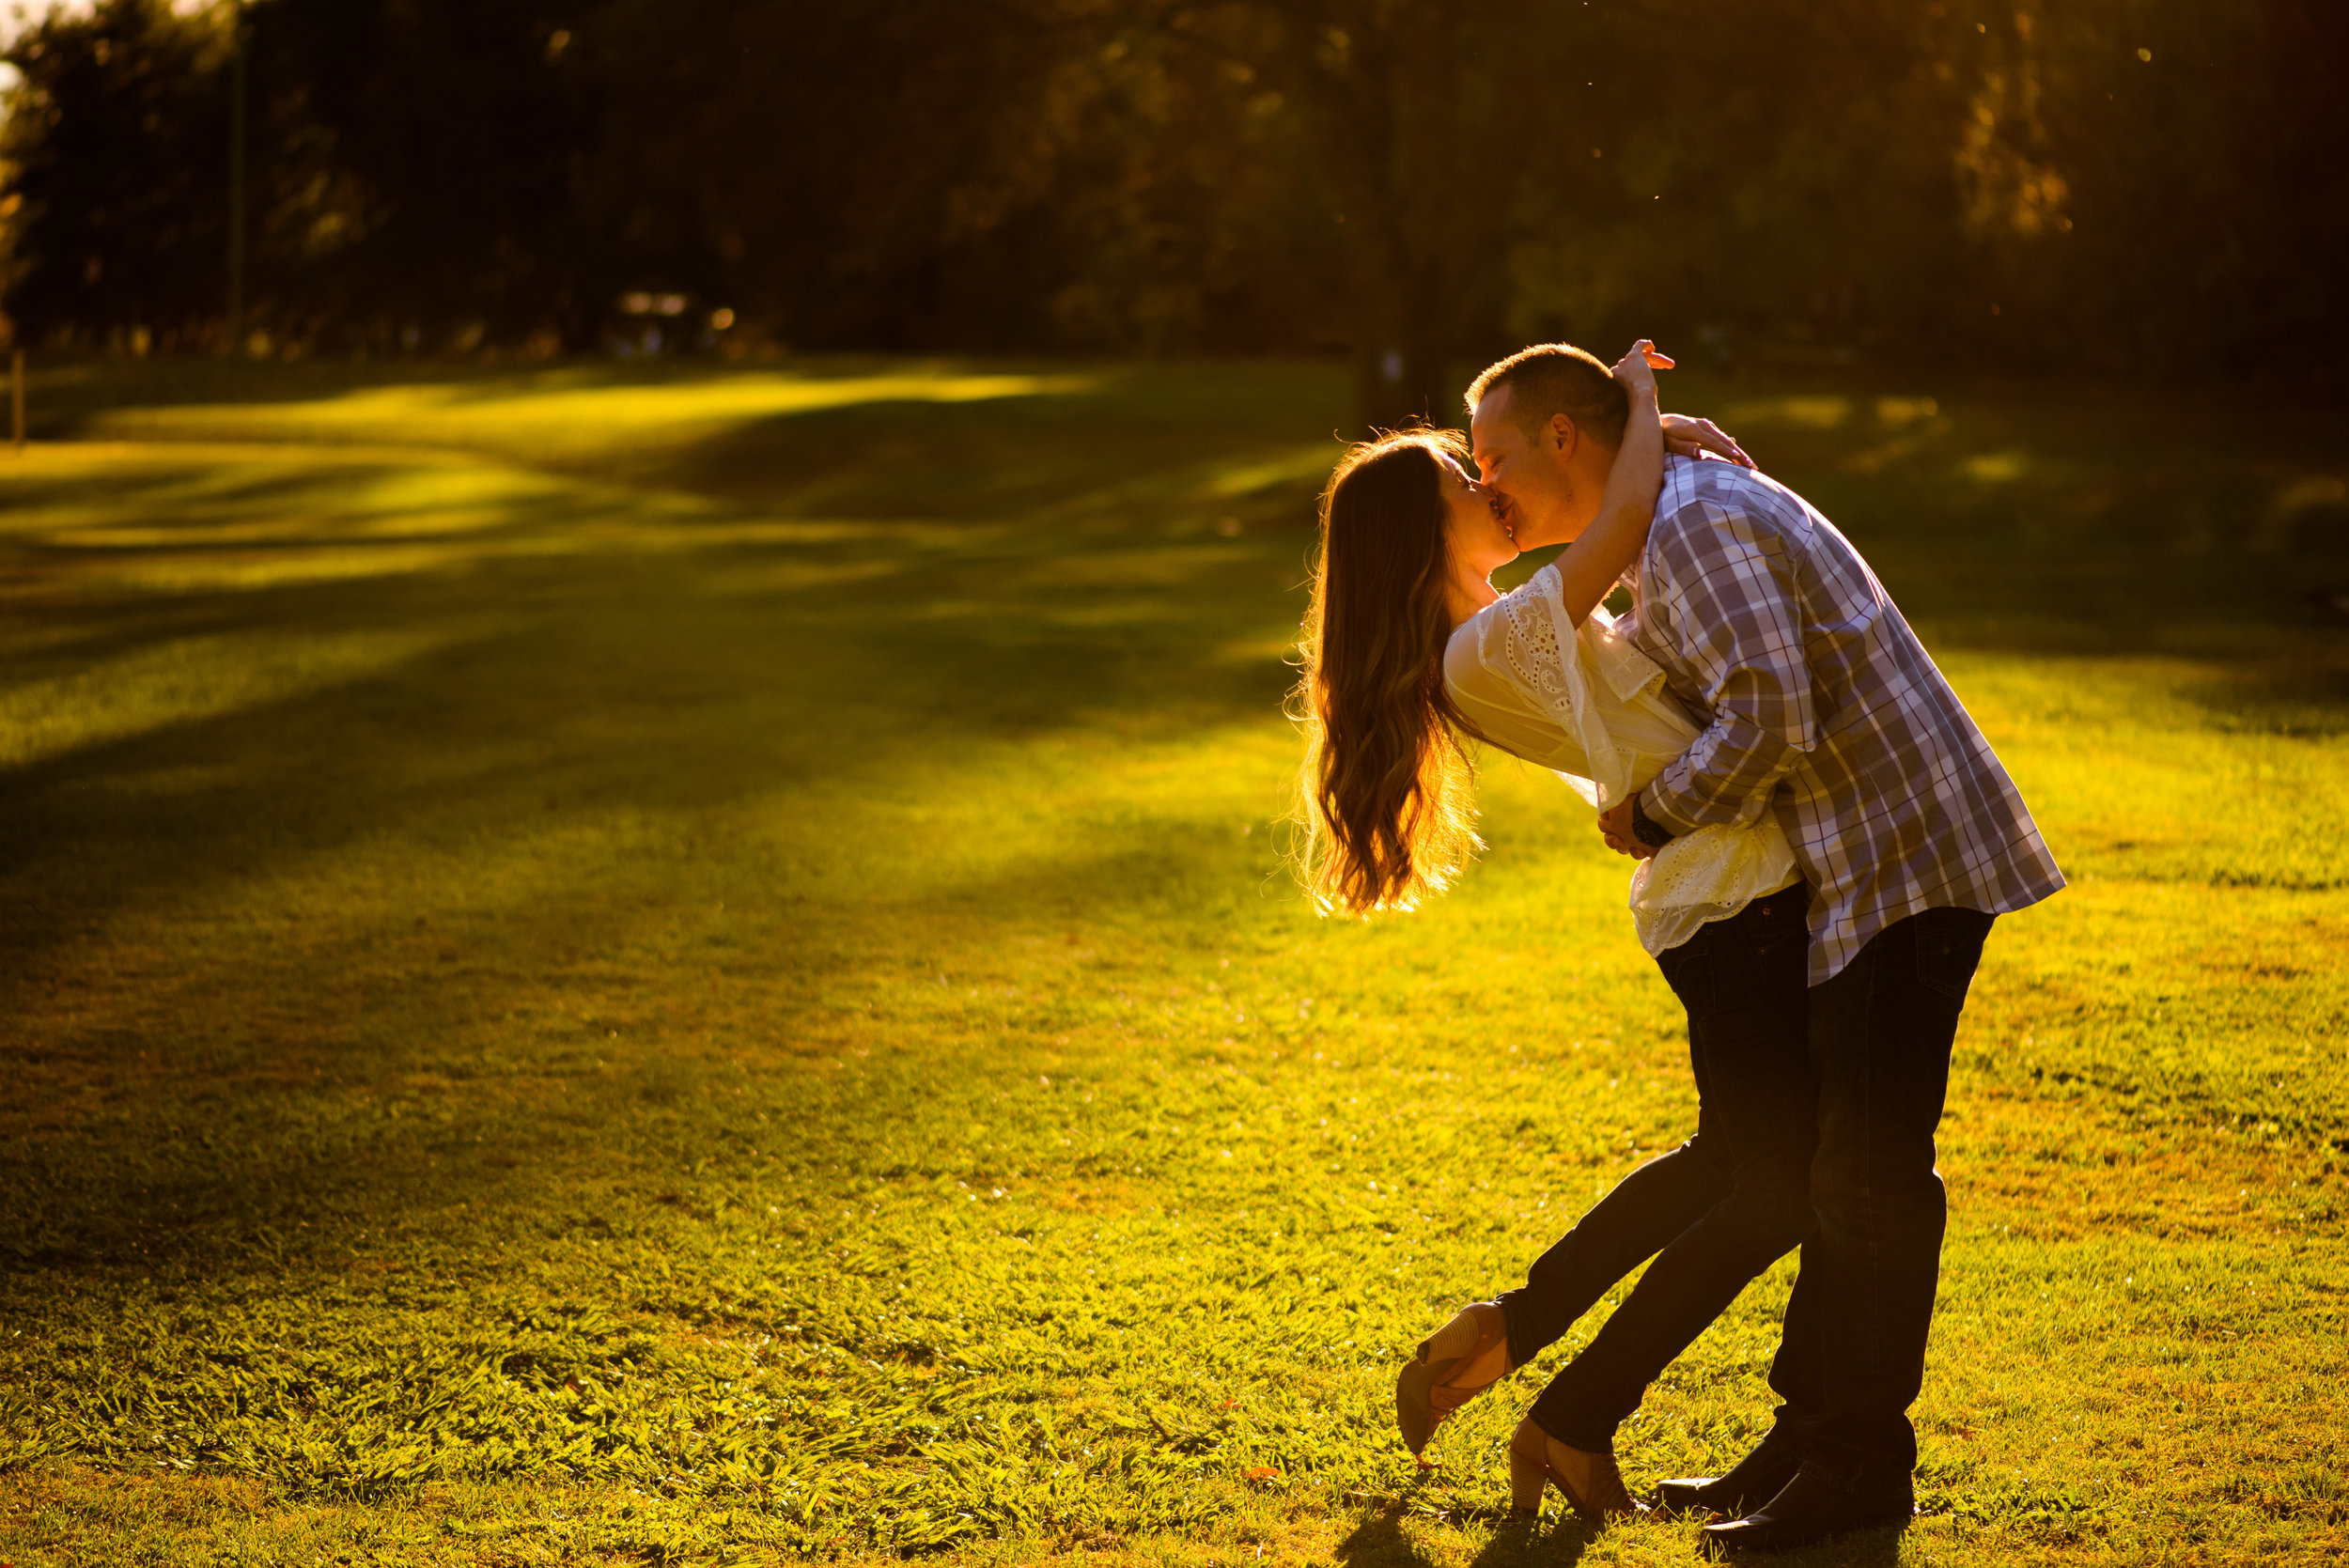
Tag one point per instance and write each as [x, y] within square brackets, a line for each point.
[1408, 652]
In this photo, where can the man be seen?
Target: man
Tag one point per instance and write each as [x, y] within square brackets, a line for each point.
[1827, 711]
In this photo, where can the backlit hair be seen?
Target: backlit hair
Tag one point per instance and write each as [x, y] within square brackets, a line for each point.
[1388, 800]
[1553, 379]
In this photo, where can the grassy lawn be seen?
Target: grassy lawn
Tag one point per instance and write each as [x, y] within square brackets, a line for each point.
[697, 968]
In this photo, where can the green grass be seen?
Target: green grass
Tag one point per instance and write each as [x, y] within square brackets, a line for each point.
[697, 968]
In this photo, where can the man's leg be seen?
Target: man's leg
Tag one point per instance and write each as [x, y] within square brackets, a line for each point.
[1852, 1358]
[1795, 1371]
[1880, 1041]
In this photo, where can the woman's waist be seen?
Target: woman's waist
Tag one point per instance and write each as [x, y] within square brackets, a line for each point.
[1749, 858]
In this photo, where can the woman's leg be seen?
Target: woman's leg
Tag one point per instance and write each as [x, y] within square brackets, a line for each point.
[1745, 983]
[1644, 1212]
[1641, 1216]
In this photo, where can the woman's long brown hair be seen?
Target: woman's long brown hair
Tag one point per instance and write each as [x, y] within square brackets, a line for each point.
[1388, 808]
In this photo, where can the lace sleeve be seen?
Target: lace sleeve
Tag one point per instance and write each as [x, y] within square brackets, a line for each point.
[1603, 695]
[1535, 651]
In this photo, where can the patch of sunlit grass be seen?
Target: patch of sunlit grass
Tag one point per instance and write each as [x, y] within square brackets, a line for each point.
[552, 415]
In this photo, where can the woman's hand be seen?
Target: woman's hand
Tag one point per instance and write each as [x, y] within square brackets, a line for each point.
[1688, 437]
[1637, 370]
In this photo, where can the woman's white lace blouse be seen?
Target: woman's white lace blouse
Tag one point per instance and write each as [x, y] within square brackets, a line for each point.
[1601, 719]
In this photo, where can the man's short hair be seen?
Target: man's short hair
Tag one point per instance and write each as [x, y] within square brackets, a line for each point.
[1553, 379]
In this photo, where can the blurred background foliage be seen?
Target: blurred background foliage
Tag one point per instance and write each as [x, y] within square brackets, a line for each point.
[2132, 187]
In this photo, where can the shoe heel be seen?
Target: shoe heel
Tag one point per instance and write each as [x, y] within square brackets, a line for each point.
[1528, 1469]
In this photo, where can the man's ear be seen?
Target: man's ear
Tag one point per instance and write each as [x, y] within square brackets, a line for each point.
[1563, 435]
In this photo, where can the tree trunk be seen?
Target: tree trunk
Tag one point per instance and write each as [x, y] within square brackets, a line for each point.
[1414, 139]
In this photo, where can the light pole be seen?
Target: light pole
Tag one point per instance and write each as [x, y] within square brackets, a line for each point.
[236, 178]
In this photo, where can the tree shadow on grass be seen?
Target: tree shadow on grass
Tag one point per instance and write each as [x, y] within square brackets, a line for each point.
[233, 1108]
[902, 649]
[1063, 432]
[1040, 453]
[220, 1047]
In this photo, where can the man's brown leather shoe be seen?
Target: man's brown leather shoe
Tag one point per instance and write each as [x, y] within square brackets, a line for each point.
[1753, 1481]
[1814, 1507]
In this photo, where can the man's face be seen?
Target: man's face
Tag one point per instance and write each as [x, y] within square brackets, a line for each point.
[1532, 472]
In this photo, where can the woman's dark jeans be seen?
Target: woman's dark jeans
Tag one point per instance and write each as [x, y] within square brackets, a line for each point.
[1721, 1207]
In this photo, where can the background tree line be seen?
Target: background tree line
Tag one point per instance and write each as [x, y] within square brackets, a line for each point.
[2129, 187]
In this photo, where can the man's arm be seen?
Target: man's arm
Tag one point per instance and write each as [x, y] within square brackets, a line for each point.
[1726, 585]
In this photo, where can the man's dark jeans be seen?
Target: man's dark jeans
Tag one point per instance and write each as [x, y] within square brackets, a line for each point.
[1842, 1081]
[1852, 1355]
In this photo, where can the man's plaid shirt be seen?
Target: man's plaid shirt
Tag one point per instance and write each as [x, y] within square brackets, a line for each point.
[1825, 707]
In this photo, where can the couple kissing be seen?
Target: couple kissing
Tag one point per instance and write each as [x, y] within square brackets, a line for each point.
[1821, 838]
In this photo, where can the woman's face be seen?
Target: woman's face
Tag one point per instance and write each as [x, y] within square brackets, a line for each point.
[1480, 542]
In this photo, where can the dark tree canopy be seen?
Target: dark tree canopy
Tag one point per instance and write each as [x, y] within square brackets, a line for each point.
[112, 223]
[2142, 187]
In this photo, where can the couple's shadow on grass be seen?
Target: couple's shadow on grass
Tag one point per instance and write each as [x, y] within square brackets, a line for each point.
[1380, 1540]
[1560, 1540]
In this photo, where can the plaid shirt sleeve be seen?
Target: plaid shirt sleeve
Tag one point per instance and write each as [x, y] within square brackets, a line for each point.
[1726, 591]
[1825, 710]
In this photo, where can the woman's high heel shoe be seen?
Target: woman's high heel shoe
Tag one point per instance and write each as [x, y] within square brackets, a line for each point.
[1455, 1364]
[1593, 1485]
